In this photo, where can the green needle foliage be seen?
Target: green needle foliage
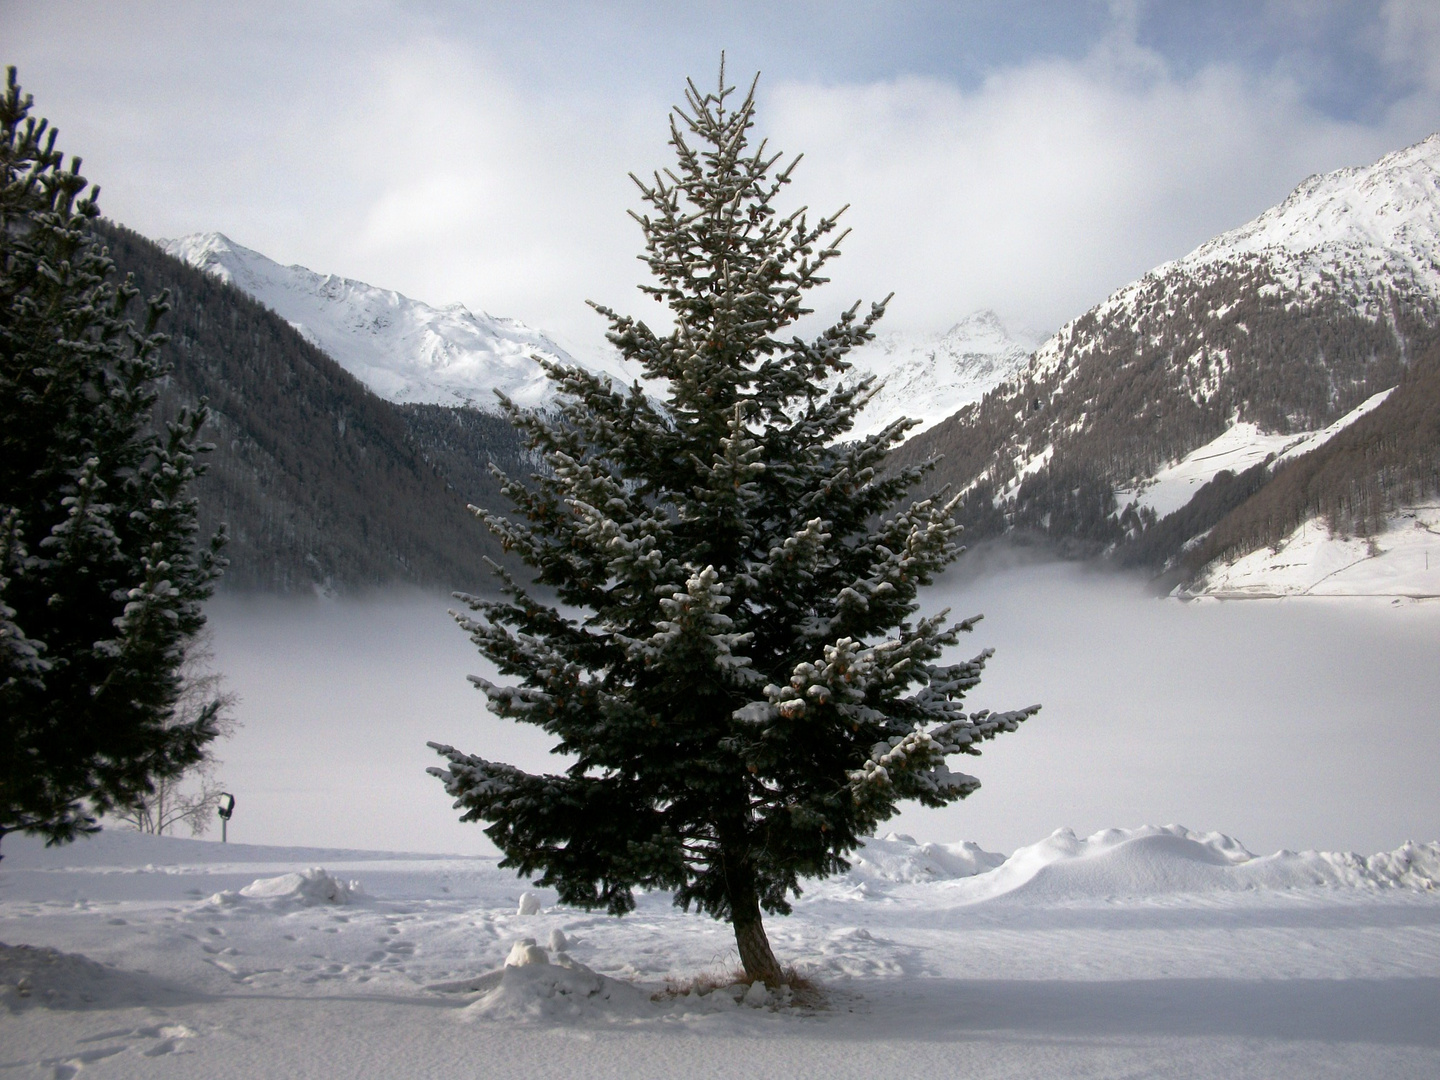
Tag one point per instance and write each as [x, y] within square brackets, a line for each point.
[746, 690]
[100, 579]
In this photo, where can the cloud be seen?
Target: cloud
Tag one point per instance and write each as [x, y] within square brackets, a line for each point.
[407, 147]
[1055, 181]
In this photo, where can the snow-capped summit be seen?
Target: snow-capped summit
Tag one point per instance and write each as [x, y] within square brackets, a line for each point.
[1354, 234]
[1386, 216]
[931, 377]
[402, 349]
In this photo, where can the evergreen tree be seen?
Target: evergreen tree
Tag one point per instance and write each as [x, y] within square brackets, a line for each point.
[100, 578]
[743, 689]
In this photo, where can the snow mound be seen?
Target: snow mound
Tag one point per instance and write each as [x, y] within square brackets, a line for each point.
[313, 886]
[524, 952]
[1163, 860]
[1410, 866]
[40, 977]
[532, 989]
[1133, 862]
[899, 858]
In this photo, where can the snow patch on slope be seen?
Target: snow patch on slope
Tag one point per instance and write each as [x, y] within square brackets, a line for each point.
[1241, 446]
[1403, 561]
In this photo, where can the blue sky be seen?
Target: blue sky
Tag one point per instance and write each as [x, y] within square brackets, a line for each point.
[1024, 156]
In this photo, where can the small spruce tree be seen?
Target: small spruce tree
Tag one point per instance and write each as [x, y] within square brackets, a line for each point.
[743, 685]
[100, 576]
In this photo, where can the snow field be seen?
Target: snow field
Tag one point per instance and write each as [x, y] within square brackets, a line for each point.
[1144, 951]
[1402, 562]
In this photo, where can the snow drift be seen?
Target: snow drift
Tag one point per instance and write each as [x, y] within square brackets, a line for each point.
[1145, 862]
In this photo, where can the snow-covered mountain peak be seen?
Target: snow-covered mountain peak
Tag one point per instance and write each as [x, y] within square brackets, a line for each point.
[930, 377]
[982, 331]
[1373, 229]
[1392, 206]
[403, 349]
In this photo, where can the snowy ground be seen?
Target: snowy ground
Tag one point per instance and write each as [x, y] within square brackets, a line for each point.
[1147, 952]
[1402, 561]
[1293, 722]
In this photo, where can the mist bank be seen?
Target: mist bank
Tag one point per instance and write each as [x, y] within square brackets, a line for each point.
[1296, 723]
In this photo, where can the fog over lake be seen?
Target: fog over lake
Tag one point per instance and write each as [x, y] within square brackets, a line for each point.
[1300, 723]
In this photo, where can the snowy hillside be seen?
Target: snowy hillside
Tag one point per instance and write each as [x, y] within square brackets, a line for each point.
[1353, 233]
[1135, 952]
[1320, 314]
[1402, 561]
[928, 378]
[404, 350]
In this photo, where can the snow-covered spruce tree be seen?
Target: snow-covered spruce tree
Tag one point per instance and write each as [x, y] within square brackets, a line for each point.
[100, 577]
[744, 690]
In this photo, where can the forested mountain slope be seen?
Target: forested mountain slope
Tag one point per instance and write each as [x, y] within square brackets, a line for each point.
[1286, 324]
[321, 482]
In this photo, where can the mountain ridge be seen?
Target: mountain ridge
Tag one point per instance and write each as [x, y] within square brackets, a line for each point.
[1288, 323]
[323, 484]
[411, 352]
[405, 350]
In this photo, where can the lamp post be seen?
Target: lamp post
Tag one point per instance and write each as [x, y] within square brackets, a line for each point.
[225, 809]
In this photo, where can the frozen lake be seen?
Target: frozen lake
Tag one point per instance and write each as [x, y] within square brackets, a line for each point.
[1302, 723]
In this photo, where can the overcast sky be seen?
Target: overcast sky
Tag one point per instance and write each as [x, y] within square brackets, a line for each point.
[1025, 156]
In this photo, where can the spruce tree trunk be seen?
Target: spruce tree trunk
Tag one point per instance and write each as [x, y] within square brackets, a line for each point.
[755, 953]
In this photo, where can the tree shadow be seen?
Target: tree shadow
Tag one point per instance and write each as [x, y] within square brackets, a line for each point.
[1392, 1011]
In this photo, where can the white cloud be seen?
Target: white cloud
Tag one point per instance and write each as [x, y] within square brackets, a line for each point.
[377, 146]
[1053, 182]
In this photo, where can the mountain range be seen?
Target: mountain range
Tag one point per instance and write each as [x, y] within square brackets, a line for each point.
[407, 351]
[1278, 381]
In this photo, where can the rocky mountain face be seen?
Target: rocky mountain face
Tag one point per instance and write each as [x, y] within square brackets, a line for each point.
[322, 484]
[1276, 330]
